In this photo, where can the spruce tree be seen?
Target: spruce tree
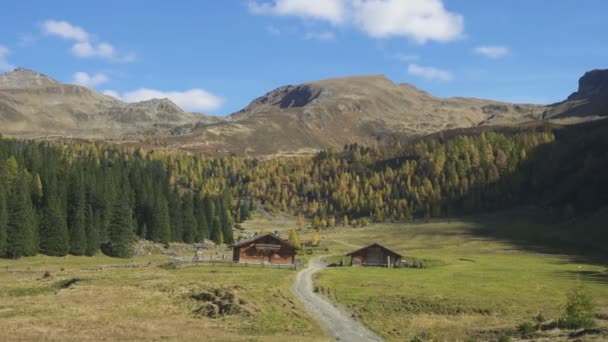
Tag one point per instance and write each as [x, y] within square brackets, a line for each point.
[201, 219]
[54, 236]
[21, 225]
[175, 211]
[189, 221]
[160, 227]
[92, 231]
[76, 216]
[227, 226]
[121, 236]
[3, 219]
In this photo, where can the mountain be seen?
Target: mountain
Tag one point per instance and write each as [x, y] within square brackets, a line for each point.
[290, 120]
[33, 105]
[333, 112]
[588, 102]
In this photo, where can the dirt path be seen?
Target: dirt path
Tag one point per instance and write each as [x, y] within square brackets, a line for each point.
[335, 322]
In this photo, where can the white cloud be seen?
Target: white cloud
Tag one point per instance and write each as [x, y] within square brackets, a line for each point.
[84, 42]
[4, 64]
[492, 51]
[65, 30]
[193, 100]
[430, 73]
[112, 93]
[84, 79]
[320, 36]
[86, 49]
[419, 20]
[327, 10]
[406, 58]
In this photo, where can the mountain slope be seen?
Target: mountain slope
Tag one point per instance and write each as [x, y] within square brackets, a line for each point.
[33, 104]
[590, 100]
[334, 112]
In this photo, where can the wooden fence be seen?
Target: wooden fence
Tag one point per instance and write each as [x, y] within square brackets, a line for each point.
[191, 262]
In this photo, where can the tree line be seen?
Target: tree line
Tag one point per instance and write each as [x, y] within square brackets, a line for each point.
[78, 198]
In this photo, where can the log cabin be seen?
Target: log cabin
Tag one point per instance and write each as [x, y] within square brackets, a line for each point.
[265, 248]
[374, 255]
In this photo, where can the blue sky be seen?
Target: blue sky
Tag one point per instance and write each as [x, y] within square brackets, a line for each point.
[216, 56]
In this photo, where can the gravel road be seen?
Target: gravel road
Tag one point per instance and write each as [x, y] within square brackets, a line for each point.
[336, 323]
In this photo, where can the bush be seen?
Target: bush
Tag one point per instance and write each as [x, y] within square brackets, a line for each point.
[526, 329]
[578, 311]
[504, 338]
[47, 274]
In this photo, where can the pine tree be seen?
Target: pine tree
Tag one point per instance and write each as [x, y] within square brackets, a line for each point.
[3, 219]
[160, 227]
[92, 231]
[189, 221]
[21, 225]
[76, 216]
[227, 227]
[175, 211]
[201, 219]
[120, 243]
[54, 236]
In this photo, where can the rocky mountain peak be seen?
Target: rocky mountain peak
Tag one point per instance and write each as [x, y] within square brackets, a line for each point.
[593, 83]
[21, 78]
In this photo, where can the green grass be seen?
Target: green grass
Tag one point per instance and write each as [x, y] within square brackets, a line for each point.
[472, 287]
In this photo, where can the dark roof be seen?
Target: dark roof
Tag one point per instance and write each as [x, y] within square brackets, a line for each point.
[253, 238]
[374, 244]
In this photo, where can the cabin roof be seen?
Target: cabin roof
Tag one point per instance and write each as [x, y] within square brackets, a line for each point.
[374, 244]
[257, 237]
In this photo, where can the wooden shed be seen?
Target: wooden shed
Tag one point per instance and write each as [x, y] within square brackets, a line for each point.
[374, 255]
[265, 248]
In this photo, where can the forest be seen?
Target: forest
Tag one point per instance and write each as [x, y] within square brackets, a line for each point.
[79, 198]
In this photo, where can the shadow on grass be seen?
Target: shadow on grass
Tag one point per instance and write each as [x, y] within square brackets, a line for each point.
[526, 229]
[586, 276]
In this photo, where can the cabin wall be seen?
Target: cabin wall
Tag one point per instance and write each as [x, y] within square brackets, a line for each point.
[371, 257]
[248, 253]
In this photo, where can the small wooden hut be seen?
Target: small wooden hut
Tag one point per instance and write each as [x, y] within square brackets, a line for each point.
[265, 248]
[374, 255]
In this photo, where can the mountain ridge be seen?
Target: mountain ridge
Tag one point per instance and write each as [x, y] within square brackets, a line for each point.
[288, 120]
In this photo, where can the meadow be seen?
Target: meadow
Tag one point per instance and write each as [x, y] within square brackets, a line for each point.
[472, 287]
[149, 302]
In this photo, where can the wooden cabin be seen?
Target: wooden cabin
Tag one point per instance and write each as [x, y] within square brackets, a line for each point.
[374, 255]
[265, 248]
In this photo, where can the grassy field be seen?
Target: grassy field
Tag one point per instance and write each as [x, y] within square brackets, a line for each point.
[472, 288]
[145, 303]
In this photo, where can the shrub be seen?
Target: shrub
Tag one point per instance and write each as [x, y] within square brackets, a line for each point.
[578, 311]
[526, 329]
[47, 274]
[504, 338]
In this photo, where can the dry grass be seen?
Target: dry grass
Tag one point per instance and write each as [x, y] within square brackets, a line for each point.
[147, 303]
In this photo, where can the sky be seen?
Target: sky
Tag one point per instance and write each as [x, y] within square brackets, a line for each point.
[216, 56]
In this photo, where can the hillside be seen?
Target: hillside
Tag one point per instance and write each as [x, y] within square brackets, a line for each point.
[35, 105]
[290, 120]
[359, 109]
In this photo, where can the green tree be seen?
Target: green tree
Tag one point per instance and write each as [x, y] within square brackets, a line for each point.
[189, 221]
[54, 236]
[578, 312]
[294, 238]
[76, 215]
[3, 219]
[21, 225]
[121, 239]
